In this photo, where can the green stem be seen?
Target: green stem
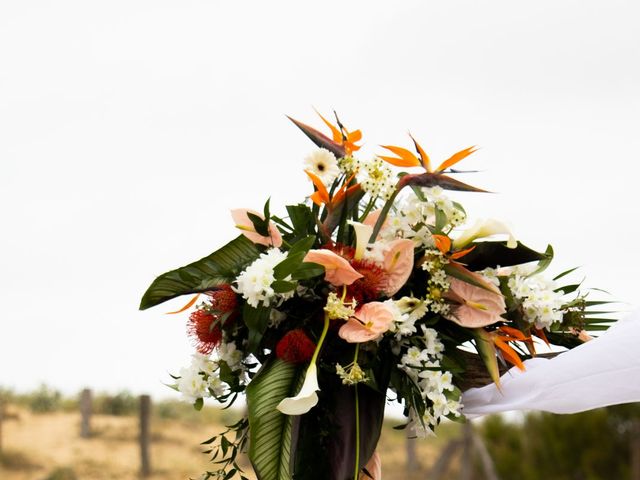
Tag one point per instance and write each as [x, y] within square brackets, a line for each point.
[383, 215]
[323, 335]
[372, 202]
[357, 466]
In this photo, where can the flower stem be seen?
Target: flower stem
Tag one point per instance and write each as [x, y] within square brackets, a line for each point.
[383, 215]
[325, 329]
[357, 466]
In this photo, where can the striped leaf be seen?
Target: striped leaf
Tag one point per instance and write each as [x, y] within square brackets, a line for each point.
[270, 430]
[222, 266]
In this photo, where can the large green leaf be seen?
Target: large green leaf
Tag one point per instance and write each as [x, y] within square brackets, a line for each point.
[493, 254]
[222, 266]
[269, 429]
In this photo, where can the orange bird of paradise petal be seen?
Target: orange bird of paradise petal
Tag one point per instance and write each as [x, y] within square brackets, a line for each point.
[508, 353]
[188, 305]
[405, 157]
[455, 158]
[443, 243]
[343, 136]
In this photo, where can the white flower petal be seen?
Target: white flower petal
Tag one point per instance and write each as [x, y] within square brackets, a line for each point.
[306, 398]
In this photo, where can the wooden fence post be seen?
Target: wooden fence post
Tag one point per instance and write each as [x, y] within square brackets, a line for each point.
[145, 435]
[85, 412]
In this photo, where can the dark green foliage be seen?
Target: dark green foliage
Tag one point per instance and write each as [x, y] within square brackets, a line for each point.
[586, 446]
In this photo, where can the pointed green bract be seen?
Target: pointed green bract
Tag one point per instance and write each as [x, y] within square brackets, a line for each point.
[270, 430]
[222, 266]
[487, 351]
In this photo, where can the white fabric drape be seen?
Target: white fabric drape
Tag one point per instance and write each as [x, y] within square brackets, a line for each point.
[604, 371]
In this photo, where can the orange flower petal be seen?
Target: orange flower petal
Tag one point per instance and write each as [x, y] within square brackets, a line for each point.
[426, 162]
[509, 353]
[455, 158]
[407, 158]
[323, 194]
[461, 253]
[443, 243]
[188, 305]
[337, 134]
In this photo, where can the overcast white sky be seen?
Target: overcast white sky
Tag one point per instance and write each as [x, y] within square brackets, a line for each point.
[128, 129]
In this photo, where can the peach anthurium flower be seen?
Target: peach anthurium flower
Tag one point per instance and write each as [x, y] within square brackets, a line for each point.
[244, 224]
[374, 467]
[369, 323]
[398, 263]
[307, 398]
[478, 306]
[337, 270]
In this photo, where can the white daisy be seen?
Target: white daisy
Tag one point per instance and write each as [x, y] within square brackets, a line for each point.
[323, 164]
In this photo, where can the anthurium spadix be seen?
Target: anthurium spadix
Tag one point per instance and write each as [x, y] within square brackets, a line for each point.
[483, 229]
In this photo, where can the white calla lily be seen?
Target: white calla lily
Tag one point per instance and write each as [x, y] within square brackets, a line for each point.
[363, 234]
[482, 229]
[306, 398]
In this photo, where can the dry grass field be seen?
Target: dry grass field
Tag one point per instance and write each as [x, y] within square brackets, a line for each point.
[35, 445]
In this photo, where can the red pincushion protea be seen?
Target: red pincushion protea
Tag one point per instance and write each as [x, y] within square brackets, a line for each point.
[203, 329]
[204, 325]
[295, 347]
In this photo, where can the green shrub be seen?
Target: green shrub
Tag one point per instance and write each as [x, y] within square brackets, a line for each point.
[121, 404]
[44, 399]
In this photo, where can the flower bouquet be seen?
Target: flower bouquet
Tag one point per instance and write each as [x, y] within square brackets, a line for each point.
[370, 291]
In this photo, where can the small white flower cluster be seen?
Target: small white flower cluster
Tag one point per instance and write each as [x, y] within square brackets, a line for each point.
[437, 199]
[351, 374]
[541, 304]
[423, 367]
[348, 165]
[406, 311]
[255, 282]
[377, 179]
[336, 309]
[412, 217]
[200, 379]
[438, 284]
[323, 164]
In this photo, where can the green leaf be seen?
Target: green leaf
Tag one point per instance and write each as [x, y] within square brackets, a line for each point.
[493, 254]
[222, 266]
[302, 219]
[261, 225]
[566, 272]
[270, 430]
[543, 263]
[288, 265]
[256, 320]
[487, 351]
[307, 270]
[441, 219]
[302, 246]
[199, 403]
[282, 286]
